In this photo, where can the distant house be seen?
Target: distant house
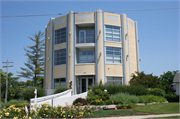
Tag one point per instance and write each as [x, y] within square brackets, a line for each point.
[176, 81]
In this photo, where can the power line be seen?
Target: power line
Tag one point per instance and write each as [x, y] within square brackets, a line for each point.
[106, 11]
[30, 15]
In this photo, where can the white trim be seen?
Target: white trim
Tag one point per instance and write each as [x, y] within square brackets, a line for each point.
[60, 48]
[112, 25]
[60, 44]
[85, 45]
[58, 65]
[114, 75]
[113, 46]
[85, 63]
[60, 27]
[59, 77]
[113, 41]
[114, 63]
[85, 23]
[84, 74]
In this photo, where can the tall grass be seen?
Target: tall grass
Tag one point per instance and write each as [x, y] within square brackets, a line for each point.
[113, 89]
[124, 98]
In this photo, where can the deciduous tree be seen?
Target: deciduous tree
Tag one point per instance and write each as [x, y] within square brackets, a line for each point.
[146, 80]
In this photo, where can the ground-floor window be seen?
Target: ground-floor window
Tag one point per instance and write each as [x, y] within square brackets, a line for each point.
[114, 80]
[59, 82]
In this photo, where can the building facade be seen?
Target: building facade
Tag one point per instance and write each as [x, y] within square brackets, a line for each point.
[90, 47]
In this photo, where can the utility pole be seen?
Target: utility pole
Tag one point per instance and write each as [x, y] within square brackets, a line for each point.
[6, 78]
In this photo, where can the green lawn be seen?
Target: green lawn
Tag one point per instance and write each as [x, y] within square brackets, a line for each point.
[107, 113]
[163, 108]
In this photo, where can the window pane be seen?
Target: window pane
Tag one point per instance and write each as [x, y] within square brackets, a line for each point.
[90, 58]
[60, 36]
[82, 53]
[116, 32]
[117, 39]
[109, 39]
[108, 26]
[117, 57]
[90, 52]
[83, 57]
[117, 28]
[108, 31]
[60, 57]
[116, 53]
[109, 56]
[109, 48]
[117, 61]
[109, 35]
[109, 61]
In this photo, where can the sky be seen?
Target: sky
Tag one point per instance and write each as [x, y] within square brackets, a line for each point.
[158, 30]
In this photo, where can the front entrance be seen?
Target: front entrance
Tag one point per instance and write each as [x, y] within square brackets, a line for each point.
[85, 82]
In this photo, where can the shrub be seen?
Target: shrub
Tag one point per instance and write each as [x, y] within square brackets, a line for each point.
[131, 105]
[97, 97]
[97, 102]
[157, 92]
[46, 111]
[141, 99]
[172, 98]
[113, 89]
[122, 106]
[28, 93]
[152, 98]
[108, 102]
[60, 89]
[124, 98]
[80, 100]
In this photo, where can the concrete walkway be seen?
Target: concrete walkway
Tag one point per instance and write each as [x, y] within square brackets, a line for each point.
[140, 117]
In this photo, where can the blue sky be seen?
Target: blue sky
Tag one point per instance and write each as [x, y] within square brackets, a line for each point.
[158, 30]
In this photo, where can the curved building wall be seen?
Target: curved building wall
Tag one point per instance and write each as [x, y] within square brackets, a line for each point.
[77, 24]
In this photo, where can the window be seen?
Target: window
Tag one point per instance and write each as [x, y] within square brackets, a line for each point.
[113, 55]
[86, 36]
[60, 36]
[112, 33]
[60, 57]
[114, 80]
[59, 82]
[86, 57]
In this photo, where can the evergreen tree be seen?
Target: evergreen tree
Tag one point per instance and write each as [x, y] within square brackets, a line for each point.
[35, 59]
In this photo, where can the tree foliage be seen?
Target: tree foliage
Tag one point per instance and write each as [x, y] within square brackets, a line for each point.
[146, 80]
[12, 86]
[35, 60]
[167, 79]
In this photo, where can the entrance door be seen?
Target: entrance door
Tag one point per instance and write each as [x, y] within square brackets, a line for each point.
[85, 83]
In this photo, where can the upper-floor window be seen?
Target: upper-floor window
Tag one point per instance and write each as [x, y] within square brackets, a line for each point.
[86, 36]
[113, 55]
[60, 57]
[86, 56]
[60, 36]
[113, 33]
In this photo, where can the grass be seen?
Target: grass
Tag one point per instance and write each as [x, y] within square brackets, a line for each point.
[107, 113]
[163, 108]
